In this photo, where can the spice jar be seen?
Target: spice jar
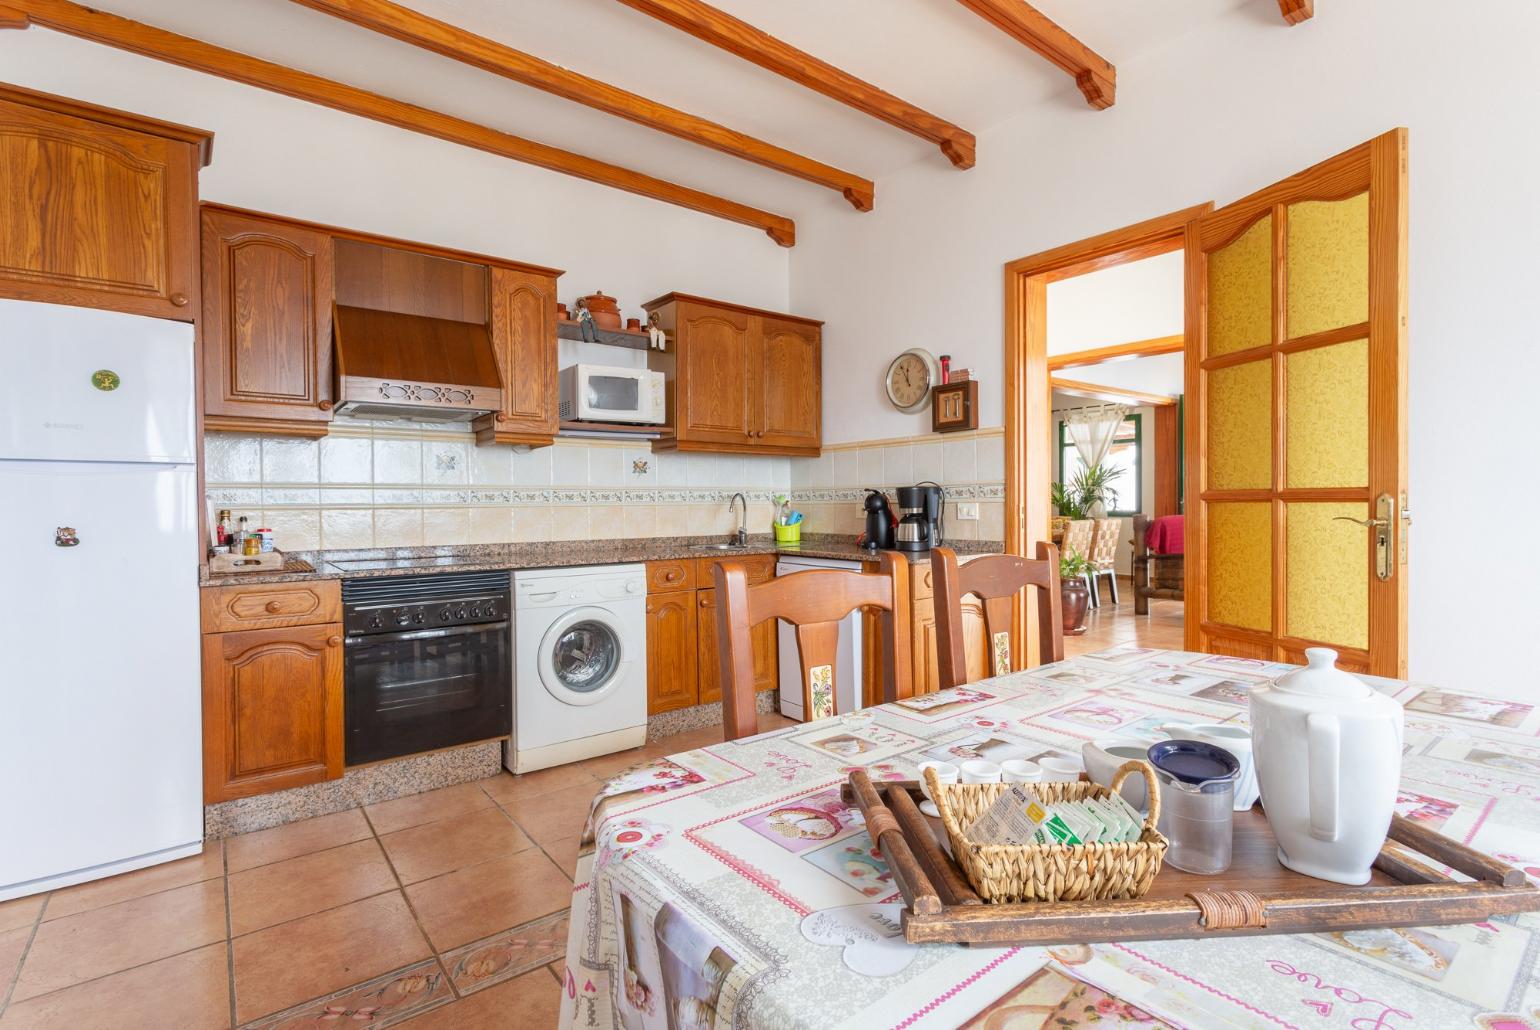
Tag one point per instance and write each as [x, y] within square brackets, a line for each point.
[251, 546]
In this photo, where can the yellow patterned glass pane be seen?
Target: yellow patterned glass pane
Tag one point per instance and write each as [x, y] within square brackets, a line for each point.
[1240, 564]
[1328, 265]
[1328, 415]
[1328, 573]
[1240, 291]
[1240, 426]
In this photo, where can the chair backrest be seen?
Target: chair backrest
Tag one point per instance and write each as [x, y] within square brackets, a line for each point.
[995, 580]
[1104, 549]
[1079, 535]
[814, 602]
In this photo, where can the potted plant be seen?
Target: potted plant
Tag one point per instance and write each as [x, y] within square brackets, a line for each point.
[1074, 594]
[1089, 494]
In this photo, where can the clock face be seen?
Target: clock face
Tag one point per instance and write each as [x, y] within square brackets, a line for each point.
[909, 380]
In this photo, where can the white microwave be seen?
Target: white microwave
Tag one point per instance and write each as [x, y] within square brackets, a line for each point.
[605, 393]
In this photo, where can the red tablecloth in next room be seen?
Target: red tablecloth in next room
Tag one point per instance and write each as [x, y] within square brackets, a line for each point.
[1165, 535]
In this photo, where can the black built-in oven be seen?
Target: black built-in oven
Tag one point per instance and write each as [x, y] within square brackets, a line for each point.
[428, 662]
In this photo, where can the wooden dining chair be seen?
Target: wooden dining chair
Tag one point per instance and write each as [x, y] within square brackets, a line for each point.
[995, 580]
[814, 602]
[1104, 558]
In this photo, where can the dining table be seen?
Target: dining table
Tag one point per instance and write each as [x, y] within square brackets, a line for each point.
[730, 886]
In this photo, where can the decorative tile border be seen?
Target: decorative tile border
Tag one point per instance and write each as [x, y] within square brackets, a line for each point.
[992, 491]
[505, 955]
[284, 495]
[381, 1002]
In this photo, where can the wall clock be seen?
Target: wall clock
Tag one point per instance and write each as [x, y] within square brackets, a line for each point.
[910, 377]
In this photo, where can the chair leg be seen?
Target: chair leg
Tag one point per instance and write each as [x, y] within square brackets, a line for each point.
[1113, 576]
[1090, 582]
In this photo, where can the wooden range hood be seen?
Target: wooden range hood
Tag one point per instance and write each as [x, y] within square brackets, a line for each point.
[400, 366]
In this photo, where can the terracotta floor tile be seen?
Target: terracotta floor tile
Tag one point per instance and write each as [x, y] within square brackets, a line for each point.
[480, 900]
[190, 990]
[507, 785]
[389, 816]
[20, 911]
[13, 943]
[530, 1000]
[297, 887]
[564, 853]
[454, 843]
[90, 944]
[101, 893]
[299, 838]
[552, 816]
[382, 1001]
[306, 958]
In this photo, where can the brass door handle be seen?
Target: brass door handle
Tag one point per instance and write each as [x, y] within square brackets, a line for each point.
[1366, 523]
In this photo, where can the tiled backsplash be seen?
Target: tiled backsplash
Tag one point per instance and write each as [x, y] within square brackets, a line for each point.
[969, 466]
[395, 484]
[399, 484]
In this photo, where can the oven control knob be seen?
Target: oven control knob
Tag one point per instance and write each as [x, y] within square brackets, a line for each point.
[459, 613]
[491, 611]
[475, 613]
[375, 622]
[402, 618]
[419, 618]
[443, 616]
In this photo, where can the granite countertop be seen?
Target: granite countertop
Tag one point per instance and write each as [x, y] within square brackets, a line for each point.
[407, 561]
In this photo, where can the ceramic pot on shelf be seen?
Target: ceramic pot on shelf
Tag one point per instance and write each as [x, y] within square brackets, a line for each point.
[1327, 749]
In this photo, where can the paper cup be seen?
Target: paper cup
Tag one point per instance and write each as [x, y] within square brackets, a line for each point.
[1060, 770]
[1019, 770]
[946, 772]
[980, 771]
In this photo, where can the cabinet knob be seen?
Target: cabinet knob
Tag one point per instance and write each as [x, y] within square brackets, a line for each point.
[179, 299]
[325, 405]
[274, 607]
[333, 641]
[501, 417]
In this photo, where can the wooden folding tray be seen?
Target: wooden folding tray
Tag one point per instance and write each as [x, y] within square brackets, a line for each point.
[1256, 895]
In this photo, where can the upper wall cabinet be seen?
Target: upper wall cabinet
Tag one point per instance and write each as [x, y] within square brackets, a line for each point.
[741, 380]
[522, 324]
[98, 208]
[267, 324]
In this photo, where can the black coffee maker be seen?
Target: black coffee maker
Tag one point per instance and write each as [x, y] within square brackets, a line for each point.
[919, 524]
[879, 522]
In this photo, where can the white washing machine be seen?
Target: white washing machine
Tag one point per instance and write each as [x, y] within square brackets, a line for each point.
[579, 664]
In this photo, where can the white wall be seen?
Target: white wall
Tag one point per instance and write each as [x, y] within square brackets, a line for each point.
[1137, 301]
[1234, 105]
[288, 157]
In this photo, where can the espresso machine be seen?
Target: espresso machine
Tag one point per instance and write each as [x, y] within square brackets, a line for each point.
[919, 523]
[879, 523]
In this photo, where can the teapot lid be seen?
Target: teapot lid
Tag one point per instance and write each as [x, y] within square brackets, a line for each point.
[1322, 678]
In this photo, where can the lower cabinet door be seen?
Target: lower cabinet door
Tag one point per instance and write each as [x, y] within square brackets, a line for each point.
[272, 710]
[708, 663]
[671, 651]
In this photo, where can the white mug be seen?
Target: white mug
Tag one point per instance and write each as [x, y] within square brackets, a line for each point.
[1060, 770]
[980, 771]
[946, 772]
[1019, 770]
[1234, 739]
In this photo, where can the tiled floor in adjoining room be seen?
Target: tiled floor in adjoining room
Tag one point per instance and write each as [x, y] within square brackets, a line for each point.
[443, 909]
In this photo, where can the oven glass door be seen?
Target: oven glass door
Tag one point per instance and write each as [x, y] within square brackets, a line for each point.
[416, 691]
[614, 395]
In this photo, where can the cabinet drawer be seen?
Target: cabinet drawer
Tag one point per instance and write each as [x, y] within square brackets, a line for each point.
[271, 605]
[760, 568]
[670, 575]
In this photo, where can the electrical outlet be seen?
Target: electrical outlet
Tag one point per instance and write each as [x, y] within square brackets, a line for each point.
[968, 512]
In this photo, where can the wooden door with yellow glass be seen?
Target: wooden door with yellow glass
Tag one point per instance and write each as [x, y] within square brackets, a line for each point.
[1296, 416]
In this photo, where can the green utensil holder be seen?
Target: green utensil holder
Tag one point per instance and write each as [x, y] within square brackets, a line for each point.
[791, 534]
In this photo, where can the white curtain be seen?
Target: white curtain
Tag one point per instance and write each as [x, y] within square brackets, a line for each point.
[1092, 430]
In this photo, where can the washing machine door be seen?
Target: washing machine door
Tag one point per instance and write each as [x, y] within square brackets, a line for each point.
[582, 657]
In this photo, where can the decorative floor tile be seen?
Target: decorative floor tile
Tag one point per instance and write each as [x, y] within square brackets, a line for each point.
[507, 954]
[381, 1002]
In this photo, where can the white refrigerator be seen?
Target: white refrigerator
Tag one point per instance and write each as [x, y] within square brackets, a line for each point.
[100, 726]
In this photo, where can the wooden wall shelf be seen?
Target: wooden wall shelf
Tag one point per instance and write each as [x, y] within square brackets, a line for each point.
[568, 329]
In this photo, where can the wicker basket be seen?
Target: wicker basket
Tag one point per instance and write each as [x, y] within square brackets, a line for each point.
[1051, 872]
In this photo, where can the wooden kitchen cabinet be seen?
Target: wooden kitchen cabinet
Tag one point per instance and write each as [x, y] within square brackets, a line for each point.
[272, 710]
[740, 380]
[267, 325]
[522, 323]
[671, 651]
[98, 208]
[923, 643]
[708, 663]
[272, 687]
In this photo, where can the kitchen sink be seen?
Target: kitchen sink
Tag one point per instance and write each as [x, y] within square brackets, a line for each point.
[722, 547]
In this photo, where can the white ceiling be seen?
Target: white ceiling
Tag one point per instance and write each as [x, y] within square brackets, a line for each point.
[1158, 373]
[933, 53]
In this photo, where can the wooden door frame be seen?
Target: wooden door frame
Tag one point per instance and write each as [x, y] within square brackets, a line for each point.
[1028, 390]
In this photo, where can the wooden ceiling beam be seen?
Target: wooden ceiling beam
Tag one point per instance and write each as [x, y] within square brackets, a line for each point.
[148, 41]
[1296, 11]
[1111, 394]
[1117, 352]
[738, 37]
[459, 44]
[1097, 79]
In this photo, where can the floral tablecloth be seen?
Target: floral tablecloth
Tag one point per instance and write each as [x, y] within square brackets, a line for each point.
[728, 886]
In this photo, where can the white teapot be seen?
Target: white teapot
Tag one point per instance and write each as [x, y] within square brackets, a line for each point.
[1328, 757]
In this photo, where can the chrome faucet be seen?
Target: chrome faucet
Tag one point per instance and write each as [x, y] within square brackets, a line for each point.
[742, 536]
